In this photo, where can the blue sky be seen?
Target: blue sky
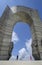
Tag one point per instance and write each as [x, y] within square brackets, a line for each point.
[24, 33]
[22, 30]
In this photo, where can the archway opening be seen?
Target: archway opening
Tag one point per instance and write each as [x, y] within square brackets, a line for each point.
[22, 41]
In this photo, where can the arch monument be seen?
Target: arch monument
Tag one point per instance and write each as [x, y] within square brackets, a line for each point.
[9, 18]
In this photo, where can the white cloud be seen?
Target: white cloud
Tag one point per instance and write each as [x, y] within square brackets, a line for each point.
[26, 53]
[28, 43]
[22, 53]
[12, 58]
[28, 46]
[14, 37]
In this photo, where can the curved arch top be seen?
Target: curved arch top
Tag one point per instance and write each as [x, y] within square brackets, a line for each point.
[23, 14]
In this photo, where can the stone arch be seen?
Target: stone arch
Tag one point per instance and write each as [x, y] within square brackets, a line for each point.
[21, 14]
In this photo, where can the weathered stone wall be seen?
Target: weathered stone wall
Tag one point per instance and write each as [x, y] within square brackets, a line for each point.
[5, 42]
[9, 18]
